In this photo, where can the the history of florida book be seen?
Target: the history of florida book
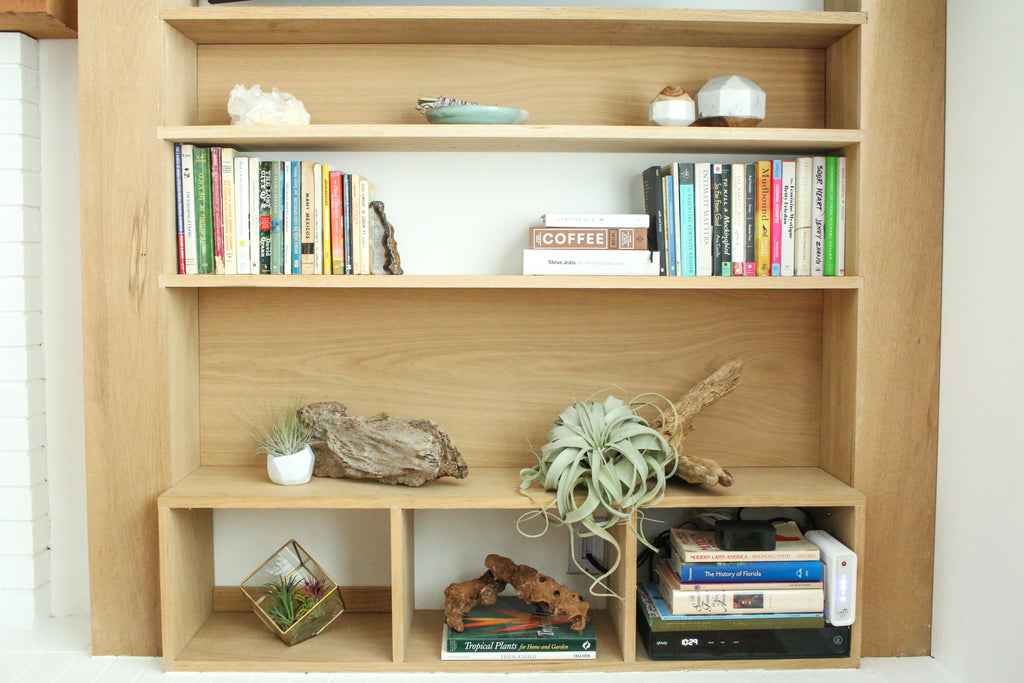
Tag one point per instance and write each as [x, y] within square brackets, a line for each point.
[513, 629]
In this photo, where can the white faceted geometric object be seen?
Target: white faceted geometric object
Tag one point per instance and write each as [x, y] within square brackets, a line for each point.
[731, 97]
[673, 112]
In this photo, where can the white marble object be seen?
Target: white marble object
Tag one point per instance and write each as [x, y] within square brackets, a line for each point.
[731, 101]
[672, 107]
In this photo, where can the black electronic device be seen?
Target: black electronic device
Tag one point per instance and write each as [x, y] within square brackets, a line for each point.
[744, 534]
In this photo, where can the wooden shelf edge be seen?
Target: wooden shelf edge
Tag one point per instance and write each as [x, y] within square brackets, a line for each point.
[507, 282]
[521, 138]
[514, 25]
[489, 488]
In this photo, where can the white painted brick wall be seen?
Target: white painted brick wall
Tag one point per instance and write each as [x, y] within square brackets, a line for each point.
[24, 500]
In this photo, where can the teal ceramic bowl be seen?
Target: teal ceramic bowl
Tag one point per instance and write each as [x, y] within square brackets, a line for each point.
[476, 113]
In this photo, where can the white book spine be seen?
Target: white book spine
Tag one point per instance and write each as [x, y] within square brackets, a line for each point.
[188, 205]
[586, 220]
[818, 217]
[841, 219]
[702, 217]
[318, 219]
[364, 222]
[242, 215]
[254, 215]
[738, 217]
[590, 262]
[802, 239]
[788, 217]
[227, 203]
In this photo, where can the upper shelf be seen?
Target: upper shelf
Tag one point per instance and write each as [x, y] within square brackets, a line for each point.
[511, 25]
[490, 488]
[521, 138]
[508, 282]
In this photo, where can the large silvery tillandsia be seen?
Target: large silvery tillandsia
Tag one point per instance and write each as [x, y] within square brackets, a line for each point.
[606, 463]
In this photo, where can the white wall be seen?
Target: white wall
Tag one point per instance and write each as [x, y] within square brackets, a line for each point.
[978, 551]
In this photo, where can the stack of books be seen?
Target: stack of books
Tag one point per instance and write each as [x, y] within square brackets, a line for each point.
[770, 602]
[514, 629]
[778, 217]
[241, 215]
[591, 244]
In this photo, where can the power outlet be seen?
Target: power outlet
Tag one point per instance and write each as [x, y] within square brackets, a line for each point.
[584, 548]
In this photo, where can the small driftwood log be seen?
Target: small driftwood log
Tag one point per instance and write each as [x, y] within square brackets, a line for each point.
[391, 450]
[459, 598]
[691, 468]
[540, 589]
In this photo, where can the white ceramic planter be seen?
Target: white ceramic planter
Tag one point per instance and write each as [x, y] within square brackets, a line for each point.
[289, 470]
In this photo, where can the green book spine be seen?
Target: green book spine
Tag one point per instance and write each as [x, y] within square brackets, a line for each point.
[276, 218]
[831, 195]
[265, 204]
[204, 209]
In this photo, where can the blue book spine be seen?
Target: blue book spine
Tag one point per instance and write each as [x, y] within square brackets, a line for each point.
[670, 222]
[296, 209]
[738, 572]
[687, 239]
[179, 196]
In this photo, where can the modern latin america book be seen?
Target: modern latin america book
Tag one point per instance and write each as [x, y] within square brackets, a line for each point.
[513, 629]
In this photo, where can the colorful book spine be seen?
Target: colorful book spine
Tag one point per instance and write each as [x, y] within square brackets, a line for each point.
[724, 599]
[802, 217]
[670, 198]
[243, 263]
[204, 210]
[265, 209]
[831, 207]
[325, 208]
[841, 218]
[703, 219]
[308, 241]
[685, 232]
[227, 184]
[763, 237]
[818, 217]
[750, 213]
[254, 215]
[296, 221]
[660, 618]
[584, 238]
[217, 209]
[347, 221]
[318, 219]
[654, 205]
[787, 217]
[337, 223]
[286, 224]
[736, 572]
[180, 215]
[776, 218]
[276, 218]
[366, 195]
[738, 215]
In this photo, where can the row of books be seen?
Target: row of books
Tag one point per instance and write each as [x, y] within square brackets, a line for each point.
[701, 590]
[780, 217]
[591, 244]
[238, 215]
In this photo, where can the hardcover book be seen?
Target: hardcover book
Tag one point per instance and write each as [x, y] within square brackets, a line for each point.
[702, 218]
[589, 262]
[763, 236]
[700, 546]
[739, 219]
[687, 246]
[588, 238]
[654, 200]
[612, 220]
[802, 217]
[513, 629]
[724, 598]
[730, 572]
[653, 610]
[204, 210]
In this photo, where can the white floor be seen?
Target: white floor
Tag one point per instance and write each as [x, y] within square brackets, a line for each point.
[59, 650]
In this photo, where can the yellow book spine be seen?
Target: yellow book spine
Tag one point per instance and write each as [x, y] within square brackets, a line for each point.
[325, 180]
[763, 227]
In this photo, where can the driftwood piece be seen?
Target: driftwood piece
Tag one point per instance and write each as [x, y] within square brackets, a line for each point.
[692, 468]
[539, 589]
[391, 450]
[459, 598]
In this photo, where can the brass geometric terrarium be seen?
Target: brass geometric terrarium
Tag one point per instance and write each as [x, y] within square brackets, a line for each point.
[293, 595]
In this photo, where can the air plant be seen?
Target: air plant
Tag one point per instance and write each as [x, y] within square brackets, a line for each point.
[285, 435]
[606, 464]
[291, 599]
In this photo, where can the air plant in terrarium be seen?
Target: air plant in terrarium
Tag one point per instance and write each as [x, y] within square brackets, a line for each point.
[293, 595]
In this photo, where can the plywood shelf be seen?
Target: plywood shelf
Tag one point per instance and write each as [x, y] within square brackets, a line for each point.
[512, 25]
[848, 282]
[488, 488]
[521, 138]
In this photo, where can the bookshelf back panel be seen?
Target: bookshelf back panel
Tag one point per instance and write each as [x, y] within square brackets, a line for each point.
[581, 85]
[495, 367]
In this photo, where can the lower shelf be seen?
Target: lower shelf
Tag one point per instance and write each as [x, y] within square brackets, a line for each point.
[359, 642]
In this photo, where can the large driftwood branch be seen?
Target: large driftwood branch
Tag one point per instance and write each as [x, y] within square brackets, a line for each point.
[692, 468]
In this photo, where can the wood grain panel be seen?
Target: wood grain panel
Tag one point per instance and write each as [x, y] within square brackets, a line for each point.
[363, 84]
[138, 366]
[494, 368]
[186, 575]
[357, 599]
[40, 18]
[900, 249]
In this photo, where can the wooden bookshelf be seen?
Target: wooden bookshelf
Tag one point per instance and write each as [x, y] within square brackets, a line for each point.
[836, 406]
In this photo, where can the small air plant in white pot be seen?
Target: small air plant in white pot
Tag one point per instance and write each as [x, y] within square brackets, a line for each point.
[286, 441]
